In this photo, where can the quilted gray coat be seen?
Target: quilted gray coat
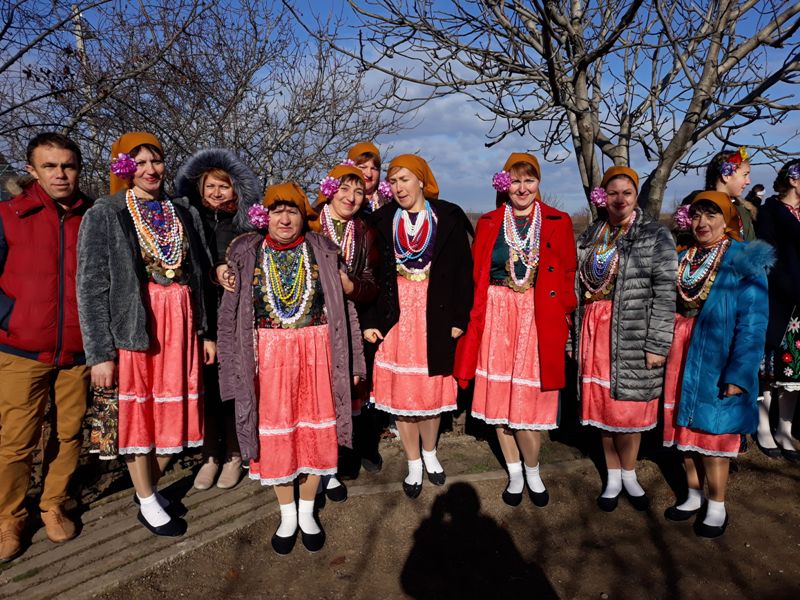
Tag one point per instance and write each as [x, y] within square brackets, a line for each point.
[643, 311]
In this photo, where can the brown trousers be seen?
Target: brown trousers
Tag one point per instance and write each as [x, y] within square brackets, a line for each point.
[25, 387]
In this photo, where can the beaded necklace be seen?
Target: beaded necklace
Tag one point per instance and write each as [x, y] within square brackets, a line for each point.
[698, 269]
[522, 249]
[598, 271]
[160, 233]
[347, 241]
[411, 239]
[287, 303]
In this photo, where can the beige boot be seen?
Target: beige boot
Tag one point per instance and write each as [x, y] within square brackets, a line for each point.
[231, 473]
[10, 544]
[58, 526]
[206, 474]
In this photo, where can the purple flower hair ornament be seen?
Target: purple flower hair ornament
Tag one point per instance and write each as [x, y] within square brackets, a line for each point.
[682, 219]
[385, 190]
[123, 166]
[727, 169]
[349, 162]
[258, 216]
[598, 197]
[329, 186]
[794, 171]
[501, 181]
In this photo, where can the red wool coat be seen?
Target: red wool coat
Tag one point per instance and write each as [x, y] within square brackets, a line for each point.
[554, 294]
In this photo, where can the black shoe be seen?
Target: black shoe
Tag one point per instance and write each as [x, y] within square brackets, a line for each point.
[173, 528]
[769, 452]
[709, 531]
[337, 494]
[540, 499]
[640, 503]
[673, 513]
[511, 499]
[607, 504]
[283, 545]
[412, 490]
[372, 466]
[791, 455]
[313, 541]
[437, 478]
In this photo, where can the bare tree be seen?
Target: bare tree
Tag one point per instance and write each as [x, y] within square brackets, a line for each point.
[606, 78]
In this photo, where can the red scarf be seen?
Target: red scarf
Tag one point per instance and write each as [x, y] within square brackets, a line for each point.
[276, 246]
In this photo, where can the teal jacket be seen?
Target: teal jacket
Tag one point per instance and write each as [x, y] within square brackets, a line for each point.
[727, 344]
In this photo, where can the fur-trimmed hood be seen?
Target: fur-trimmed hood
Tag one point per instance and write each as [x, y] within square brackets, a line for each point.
[16, 184]
[756, 258]
[245, 182]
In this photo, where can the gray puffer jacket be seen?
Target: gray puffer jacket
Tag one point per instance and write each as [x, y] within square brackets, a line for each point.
[643, 311]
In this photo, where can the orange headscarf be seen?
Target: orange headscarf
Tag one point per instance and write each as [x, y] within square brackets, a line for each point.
[293, 194]
[338, 172]
[420, 168]
[516, 158]
[614, 171]
[126, 143]
[729, 212]
[363, 148]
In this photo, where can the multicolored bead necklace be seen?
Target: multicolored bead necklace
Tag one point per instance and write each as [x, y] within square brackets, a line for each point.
[287, 305]
[160, 233]
[411, 240]
[598, 271]
[347, 242]
[524, 250]
[697, 270]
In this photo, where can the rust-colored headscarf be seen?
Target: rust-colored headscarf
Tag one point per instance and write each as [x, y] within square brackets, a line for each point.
[338, 172]
[729, 212]
[421, 170]
[293, 194]
[363, 148]
[516, 158]
[612, 172]
[126, 143]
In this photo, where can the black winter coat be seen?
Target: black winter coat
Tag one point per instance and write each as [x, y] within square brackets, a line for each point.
[449, 282]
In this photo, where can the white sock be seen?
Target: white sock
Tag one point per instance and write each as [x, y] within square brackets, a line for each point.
[764, 433]
[715, 514]
[693, 502]
[515, 481]
[533, 479]
[631, 484]
[288, 520]
[414, 476]
[614, 484]
[432, 464]
[152, 511]
[332, 482]
[305, 517]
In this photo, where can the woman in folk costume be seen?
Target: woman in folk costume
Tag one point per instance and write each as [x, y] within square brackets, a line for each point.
[711, 383]
[142, 268]
[340, 199]
[626, 290]
[289, 343]
[729, 172]
[222, 189]
[367, 157]
[514, 348]
[422, 308]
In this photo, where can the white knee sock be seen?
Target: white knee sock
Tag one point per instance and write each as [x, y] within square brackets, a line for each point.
[614, 484]
[432, 464]
[515, 481]
[764, 429]
[288, 520]
[414, 476]
[715, 514]
[631, 484]
[533, 479]
[693, 502]
[305, 517]
[332, 482]
[786, 406]
[152, 511]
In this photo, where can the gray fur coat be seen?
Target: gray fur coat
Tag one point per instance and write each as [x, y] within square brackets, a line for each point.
[643, 310]
[111, 276]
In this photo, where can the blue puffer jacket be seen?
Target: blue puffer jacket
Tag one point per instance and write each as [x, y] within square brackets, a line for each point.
[727, 344]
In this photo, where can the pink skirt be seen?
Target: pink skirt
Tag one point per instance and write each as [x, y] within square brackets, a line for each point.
[508, 388]
[598, 408]
[296, 414]
[160, 404]
[401, 384]
[686, 438]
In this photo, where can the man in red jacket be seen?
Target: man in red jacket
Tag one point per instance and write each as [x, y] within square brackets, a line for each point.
[41, 352]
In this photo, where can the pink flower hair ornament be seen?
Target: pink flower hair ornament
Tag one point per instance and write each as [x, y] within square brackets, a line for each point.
[501, 181]
[348, 162]
[123, 166]
[258, 216]
[385, 190]
[598, 197]
[329, 186]
[682, 219]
